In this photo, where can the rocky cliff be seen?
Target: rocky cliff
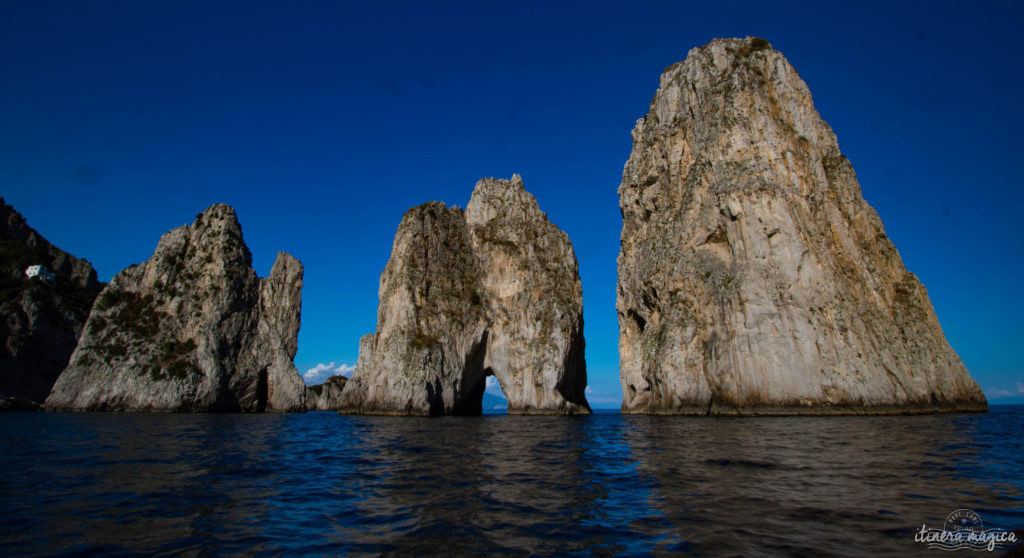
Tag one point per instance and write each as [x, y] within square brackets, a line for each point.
[753, 276]
[492, 290]
[40, 321]
[192, 329]
[325, 396]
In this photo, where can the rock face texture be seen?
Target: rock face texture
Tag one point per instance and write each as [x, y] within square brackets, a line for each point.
[325, 396]
[40, 320]
[193, 329]
[492, 290]
[753, 276]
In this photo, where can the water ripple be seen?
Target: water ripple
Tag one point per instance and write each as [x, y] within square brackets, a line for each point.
[324, 484]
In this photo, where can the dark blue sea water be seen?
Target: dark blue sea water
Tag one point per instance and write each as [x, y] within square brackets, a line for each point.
[607, 484]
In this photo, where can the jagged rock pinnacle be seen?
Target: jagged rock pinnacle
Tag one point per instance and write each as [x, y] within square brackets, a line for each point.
[191, 329]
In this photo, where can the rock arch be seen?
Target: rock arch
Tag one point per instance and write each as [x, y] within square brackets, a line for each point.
[494, 289]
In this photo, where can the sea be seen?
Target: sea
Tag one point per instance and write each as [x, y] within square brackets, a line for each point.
[323, 484]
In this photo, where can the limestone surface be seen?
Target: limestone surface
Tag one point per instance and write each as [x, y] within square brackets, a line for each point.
[753, 276]
[492, 290]
[192, 329]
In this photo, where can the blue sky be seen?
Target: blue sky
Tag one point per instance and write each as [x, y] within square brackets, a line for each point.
[322, 122]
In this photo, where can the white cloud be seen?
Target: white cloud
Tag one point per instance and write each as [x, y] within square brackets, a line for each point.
[493, 387]
[999, 393]
[321, 372]
[601, 399]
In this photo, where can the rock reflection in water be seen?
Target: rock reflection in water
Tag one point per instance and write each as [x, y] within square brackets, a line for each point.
[498, 483]
[822, 485]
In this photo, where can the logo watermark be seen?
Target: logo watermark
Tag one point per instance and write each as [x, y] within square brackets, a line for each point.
[964, 530]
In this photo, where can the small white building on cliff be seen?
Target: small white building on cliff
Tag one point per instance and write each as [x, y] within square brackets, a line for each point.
[39, 271]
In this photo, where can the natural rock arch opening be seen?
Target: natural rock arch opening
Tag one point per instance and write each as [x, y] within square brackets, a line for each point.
[472, 400]
[473, 385]
[262, 391]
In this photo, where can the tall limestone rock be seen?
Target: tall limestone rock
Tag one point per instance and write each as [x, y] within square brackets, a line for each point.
[492, 290]
[753, 276]
[277, 340]
[530, 280]
[193, 329]
[40, 320]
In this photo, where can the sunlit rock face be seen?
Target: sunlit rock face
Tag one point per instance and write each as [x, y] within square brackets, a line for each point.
[191, 329]
[492, 290]
[753, 276]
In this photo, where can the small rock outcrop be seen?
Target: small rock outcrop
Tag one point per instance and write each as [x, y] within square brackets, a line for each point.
[19, 404]
[40, 318]
[193, 329]
[492, 290]
[325, 396]
[753, 276]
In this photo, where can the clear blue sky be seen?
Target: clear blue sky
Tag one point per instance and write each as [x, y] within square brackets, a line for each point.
[322, 122]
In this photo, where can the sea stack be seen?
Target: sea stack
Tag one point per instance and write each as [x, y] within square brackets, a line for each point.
[753, 276]
[192, 330]
[492, 290]
[325, 396]
[42, 315]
